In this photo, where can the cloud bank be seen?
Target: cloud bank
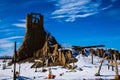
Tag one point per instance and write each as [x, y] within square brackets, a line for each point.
[21, 23]
[7, 45]
[70, 10]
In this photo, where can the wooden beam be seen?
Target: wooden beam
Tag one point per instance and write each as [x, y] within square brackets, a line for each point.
[98, 73]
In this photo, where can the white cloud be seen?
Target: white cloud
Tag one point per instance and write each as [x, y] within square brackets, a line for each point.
[7, 44]
[7, 47]
[10, 38]
[74, 10]
[9, 52]
[22, 20]
[23, 25]
[60, 16]
[69, 10]
[107, 7]
[73, 17]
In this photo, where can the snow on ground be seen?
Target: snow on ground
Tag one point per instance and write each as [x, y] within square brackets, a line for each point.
[85, 70]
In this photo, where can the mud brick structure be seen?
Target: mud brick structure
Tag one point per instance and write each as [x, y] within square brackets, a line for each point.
[39, 46]
[36, 38]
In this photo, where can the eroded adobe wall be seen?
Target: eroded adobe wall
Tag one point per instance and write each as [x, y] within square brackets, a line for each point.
[34, 39]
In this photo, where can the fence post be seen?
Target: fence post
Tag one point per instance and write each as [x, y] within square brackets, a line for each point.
[98, 73]
[14, 78]
[116, 68]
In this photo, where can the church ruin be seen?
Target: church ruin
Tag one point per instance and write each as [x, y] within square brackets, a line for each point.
[40, 47]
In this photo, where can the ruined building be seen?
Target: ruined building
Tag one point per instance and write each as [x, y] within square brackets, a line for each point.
[39, 45]
[36, 39]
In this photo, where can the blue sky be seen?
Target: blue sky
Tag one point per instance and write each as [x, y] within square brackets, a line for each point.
[72, 22]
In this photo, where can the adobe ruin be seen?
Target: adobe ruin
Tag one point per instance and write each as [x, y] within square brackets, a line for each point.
[41, 47]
